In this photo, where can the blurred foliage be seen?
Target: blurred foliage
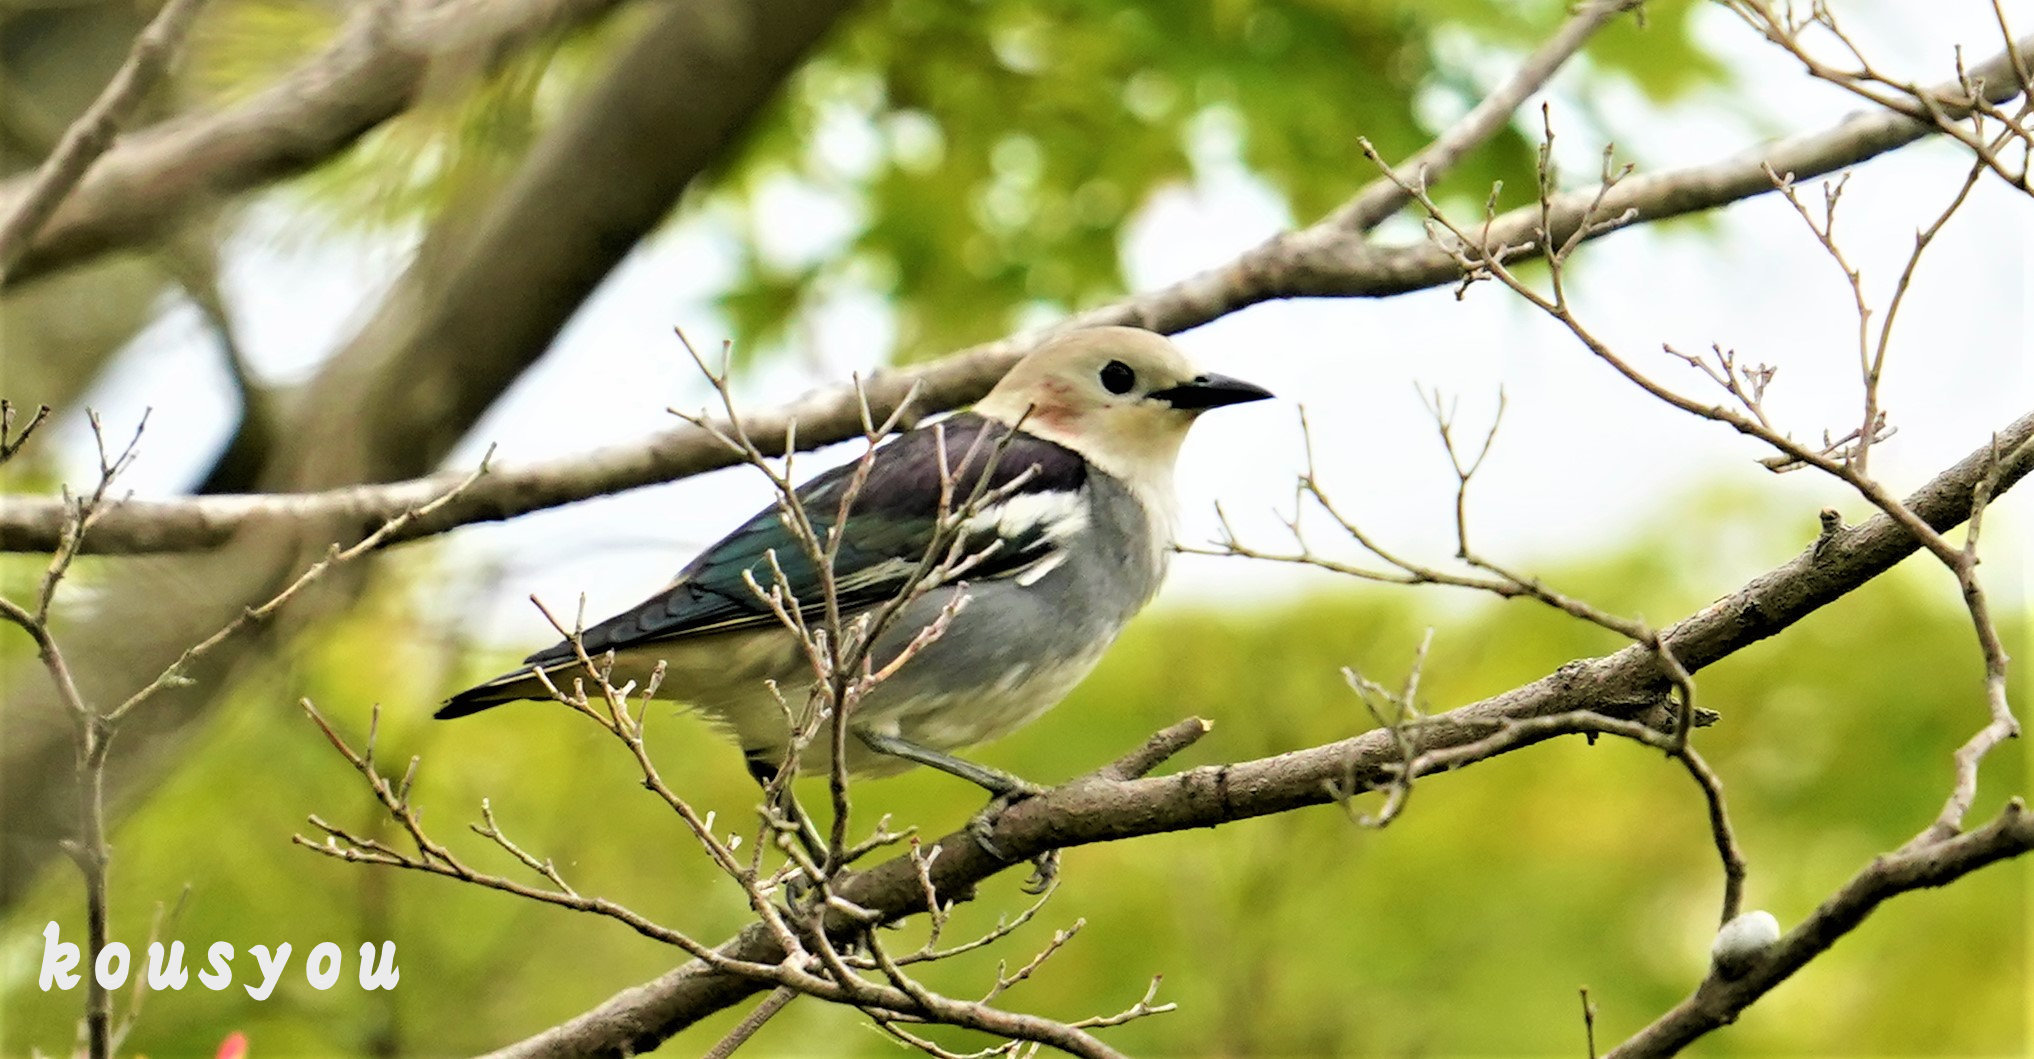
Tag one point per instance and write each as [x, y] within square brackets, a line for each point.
[980, 161]
[1464, 928]
[474, 119]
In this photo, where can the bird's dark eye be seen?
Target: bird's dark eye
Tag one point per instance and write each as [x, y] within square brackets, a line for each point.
[1117, 377]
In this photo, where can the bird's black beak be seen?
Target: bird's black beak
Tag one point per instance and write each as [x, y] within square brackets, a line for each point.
[1210, 391]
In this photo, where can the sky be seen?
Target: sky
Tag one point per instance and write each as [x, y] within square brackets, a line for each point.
[1584, 460]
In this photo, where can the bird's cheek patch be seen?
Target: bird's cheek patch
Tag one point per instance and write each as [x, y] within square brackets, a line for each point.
[1054, 405]
[1055, 416]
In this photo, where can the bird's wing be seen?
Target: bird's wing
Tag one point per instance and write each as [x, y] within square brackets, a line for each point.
[891, 526]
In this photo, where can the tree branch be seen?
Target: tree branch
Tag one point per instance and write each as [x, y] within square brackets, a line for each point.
[88, 137]
[371, 72]
[1383, 197]
[1326, 259]
[1100, 808]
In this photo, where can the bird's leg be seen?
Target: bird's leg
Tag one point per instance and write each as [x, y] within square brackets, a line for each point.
[1005, 790]
[997, 782]
[764, 768]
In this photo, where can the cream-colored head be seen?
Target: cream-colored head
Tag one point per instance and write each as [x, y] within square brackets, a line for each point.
[1120, 396]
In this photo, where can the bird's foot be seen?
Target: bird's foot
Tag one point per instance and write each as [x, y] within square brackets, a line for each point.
[1044, 873]
[982, 828]
[1006, 790]
[796, 889]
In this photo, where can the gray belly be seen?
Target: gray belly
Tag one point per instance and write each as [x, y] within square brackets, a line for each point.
[1008, 657]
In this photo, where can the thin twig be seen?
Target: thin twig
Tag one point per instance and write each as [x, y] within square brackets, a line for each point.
[747, 1027]
[335, 557]
[1589, 1022]
[11, 439]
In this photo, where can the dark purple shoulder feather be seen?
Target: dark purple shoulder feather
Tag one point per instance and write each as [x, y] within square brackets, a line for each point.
[893, 518]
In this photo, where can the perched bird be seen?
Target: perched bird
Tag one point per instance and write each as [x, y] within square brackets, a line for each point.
[1078, 442]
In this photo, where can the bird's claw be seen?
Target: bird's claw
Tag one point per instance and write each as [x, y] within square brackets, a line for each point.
[982, 828]
[1044, 872]
[983, 824]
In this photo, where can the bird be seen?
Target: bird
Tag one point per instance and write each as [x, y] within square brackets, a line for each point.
[1073, 532]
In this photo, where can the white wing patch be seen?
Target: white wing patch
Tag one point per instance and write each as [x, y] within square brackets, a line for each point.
[1030, 575]
[1056, 516]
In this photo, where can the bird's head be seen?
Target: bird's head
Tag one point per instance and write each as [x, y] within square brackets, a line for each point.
[1122, 397]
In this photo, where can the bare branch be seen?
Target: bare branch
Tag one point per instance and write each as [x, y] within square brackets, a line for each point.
[435, 858]
[1964, 111]
[91, 733]
[765, 1011]
[11, 439]
[88, 137]
[1513, 734]
[1381, 198]
[372, 71]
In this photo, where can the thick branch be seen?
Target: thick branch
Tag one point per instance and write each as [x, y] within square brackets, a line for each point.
[145, 526]
[371, 72]
[1327, 259]
[1102, 809]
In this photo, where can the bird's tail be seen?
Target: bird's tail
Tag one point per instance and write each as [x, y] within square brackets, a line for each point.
[509, 687]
